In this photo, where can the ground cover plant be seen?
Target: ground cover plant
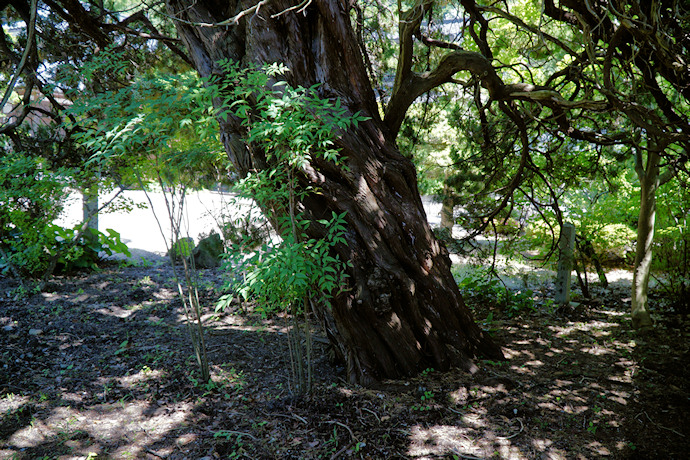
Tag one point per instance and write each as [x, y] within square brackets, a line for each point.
[100, 366]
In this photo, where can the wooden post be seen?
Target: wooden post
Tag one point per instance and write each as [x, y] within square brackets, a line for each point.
[565, 263]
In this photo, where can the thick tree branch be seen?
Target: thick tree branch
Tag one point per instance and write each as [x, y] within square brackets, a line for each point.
[83, 20]
[415, 84]
[461, 60]
[522, 24]
[476, 17]
[25, 55]
[408, 27]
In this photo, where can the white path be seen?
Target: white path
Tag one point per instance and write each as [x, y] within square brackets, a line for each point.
[139, 228]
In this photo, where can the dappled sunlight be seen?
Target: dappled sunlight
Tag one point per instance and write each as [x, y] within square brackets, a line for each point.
[90, 430]
[11, 403]
[141, 377]
[121, 381]
[621, 397]
[554, 352]
[614, 314]
[594, 327]
[522, 370]
[474, 420]
[439, 440]
[550, 453]
[394, 322]
[463, 441]
[598, 449]
[597, 350]
[118, 312]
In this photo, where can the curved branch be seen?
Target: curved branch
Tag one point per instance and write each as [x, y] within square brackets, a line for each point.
[408, 27]
[520, 23]
[415, 84]
[81, 18]
[461, 60]
[25, 55]
[154, 35]
[476, 17]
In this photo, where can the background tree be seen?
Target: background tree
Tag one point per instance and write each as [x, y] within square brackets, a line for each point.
[624, 63]
[606, 79]
[576, 94]
[47, 56]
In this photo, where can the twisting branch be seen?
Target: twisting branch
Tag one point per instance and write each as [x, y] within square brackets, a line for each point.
[233, 21]
[297, 8]
[25, 55]
[409, 24]
[438, 43]
[522, 24]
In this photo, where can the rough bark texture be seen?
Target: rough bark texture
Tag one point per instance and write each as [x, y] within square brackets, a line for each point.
[403, 312]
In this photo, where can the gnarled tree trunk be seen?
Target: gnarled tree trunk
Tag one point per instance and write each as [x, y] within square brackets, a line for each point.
[403, 311]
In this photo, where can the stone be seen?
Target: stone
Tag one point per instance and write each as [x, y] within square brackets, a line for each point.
[207, 254]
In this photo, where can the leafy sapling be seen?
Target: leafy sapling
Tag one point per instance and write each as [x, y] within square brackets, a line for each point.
[292, 127]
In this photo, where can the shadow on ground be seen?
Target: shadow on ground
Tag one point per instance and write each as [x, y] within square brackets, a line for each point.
[101, 365]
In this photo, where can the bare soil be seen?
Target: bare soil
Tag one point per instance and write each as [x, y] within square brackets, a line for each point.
[100, 366]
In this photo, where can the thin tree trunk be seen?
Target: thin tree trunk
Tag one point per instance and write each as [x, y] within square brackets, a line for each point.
[649, 182]
[90, 206]
[447, 210]
[402, 311]
[90, 212]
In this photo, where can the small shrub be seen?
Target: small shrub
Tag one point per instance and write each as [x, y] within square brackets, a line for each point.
[31, 198]
[493, 294]
[84, 252]
[181, 249]
[614, 243]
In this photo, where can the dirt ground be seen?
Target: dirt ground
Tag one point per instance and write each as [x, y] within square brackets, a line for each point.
[100, 366]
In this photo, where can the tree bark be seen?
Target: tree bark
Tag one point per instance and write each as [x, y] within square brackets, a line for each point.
[448, 214]
[649, 183]
[402, 311]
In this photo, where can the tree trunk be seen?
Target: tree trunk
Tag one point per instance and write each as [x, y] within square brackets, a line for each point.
[402, 311]
[90, 206]
[649, 182]
[447, 210]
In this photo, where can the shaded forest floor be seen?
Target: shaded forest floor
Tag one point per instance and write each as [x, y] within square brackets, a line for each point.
[100, 366]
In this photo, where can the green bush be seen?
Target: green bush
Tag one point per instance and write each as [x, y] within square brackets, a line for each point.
[32, 196]
[76, 252]
[672, 242]
[614, 243]
[293, 127]
[181, 249]
[491, 293]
